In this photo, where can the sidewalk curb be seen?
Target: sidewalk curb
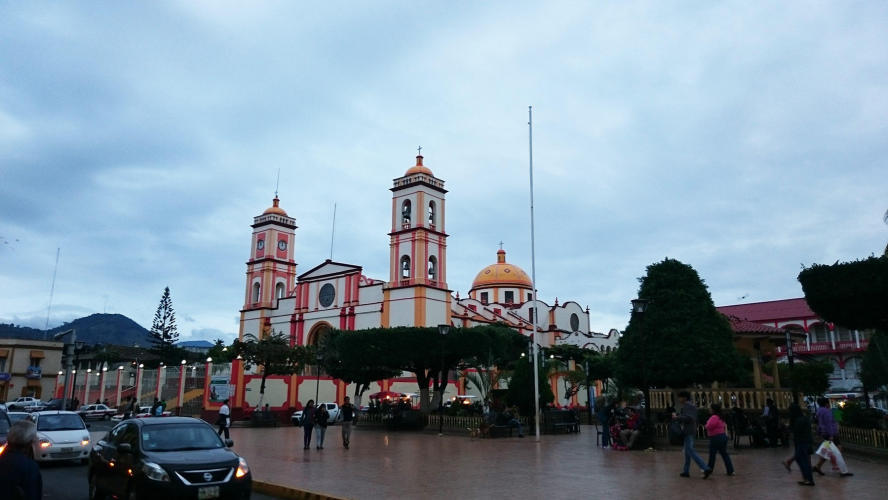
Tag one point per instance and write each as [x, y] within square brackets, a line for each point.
[290, 493]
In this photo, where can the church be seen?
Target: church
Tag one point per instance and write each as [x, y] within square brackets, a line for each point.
[416, 292]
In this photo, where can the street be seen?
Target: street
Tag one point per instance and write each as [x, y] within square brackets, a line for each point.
[67, 480]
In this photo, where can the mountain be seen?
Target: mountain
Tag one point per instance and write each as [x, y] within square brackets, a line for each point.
[108, 329]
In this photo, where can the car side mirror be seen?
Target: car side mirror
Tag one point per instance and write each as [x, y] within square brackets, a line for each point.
[229, 443]
[125, 448]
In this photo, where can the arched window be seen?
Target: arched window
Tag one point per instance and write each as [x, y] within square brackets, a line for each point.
[431, 213]
[433, 268]
[818, 333]
[843, 334]
[406, 211]
[255, 292]
[405, 267]
[279, 290]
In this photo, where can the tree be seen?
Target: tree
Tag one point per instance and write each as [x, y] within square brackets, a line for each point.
[810, 378]
[221, 352]
[681, 339]
[850, 294]
[164, 333]
[520, 391]
[273, 354]
[874, 369]
[357, 358]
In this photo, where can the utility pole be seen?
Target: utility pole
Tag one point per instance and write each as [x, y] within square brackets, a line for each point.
[68, 355]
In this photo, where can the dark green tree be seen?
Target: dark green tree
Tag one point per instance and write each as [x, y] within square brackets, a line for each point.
[359, 358]
[874, 369]
[681, 339]
[520, 391]
[850, 294]
[810, 378]
[272, 354]
[164, 333]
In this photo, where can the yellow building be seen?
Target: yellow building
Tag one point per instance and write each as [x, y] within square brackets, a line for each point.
[28, 368]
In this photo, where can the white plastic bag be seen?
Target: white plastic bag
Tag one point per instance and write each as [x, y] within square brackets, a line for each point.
[829, 451]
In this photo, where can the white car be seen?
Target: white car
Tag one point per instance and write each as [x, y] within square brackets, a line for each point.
[26, 403]
[332, 409]
[61, 435]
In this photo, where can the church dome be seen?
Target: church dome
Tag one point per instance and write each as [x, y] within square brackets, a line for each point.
[419, 168]
[502, 274]
[275, 209]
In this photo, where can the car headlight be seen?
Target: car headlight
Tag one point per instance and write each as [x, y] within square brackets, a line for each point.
[2, 448]
[84, 441]
[45, 443]
[155, 472]
[242, 468]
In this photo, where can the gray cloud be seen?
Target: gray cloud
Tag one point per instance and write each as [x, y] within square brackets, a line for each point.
[742, 138]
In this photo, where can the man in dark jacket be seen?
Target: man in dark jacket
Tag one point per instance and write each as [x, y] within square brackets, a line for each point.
[687, 415]
[803, 440]
[19, 473]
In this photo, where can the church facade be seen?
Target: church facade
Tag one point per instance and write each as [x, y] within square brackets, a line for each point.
[416, 293]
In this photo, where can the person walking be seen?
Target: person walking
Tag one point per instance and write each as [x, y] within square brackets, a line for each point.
[128, 409]
[347, 410]
[603, 420]
[803, 440]
[829, 431]
[718, 438]
[224, 420]
[687, 416]
[771, 419]
[19, 474]
[308, 423]
[321, 417]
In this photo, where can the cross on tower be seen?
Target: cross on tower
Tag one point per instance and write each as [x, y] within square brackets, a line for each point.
[419, 151]
[501, 244]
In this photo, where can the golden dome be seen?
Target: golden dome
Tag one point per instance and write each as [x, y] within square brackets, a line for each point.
[275, 209]
[502, 274]
[419, 168]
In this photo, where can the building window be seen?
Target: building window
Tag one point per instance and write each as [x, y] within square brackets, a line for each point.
[484, 297]
[2, 365]
[405, 212]
[279, 290]
[433, 268]
[530, 315]
[36, 362]
[255, 292]
[844, 335]
[405, 267]
[574, 322]
[819, 333]
[529, 296]
[431, 213]
[510, 297]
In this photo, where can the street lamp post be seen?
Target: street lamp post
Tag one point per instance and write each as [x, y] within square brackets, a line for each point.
[318, 358]
[443, 330]
[790, 356]
[639, 307]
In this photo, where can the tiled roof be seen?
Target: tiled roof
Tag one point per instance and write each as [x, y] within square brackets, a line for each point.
[744, 326]
[775, 310]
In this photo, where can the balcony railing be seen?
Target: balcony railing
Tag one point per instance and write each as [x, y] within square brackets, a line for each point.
[826, 347]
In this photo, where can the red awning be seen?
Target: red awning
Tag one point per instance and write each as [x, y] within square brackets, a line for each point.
[386, 395]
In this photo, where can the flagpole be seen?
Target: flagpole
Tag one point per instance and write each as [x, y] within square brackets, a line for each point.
[536, 312]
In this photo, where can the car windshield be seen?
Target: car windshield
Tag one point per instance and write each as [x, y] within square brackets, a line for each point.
[60, 422]
[179, 437]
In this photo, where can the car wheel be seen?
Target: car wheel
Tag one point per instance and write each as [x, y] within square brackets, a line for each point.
[95, 493]
[107, 417]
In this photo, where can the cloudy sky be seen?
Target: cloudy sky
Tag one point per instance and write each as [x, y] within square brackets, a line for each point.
[743, 138]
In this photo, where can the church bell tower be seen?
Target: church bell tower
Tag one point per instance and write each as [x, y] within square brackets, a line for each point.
[416, 293]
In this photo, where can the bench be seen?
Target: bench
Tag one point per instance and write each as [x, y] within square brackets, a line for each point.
[561, 420]
[496, 431]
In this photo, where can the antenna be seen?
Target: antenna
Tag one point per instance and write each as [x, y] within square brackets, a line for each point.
[277, 183]
[333, 231]
[52, 288]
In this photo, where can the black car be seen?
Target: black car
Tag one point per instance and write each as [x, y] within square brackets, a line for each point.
[4, 429]
[169, 457]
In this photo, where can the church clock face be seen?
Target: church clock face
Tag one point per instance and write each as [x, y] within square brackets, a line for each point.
[260, 244]
[326, 295]
[282, 245]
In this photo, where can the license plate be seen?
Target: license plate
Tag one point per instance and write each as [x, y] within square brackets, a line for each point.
[67, 450]
[208, 492]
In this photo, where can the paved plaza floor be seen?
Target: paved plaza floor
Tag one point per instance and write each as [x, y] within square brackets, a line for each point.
[422, 465]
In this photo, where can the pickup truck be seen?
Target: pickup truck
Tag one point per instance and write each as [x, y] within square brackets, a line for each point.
[332, 409]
